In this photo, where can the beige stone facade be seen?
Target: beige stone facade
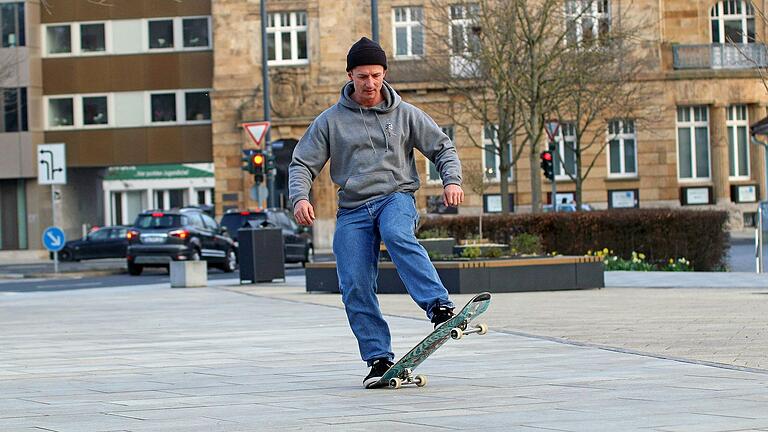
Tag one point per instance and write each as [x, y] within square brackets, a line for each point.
[301, 91]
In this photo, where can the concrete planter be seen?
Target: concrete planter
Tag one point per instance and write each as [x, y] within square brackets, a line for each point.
[189, 274]
[475, 276]
[438, 246]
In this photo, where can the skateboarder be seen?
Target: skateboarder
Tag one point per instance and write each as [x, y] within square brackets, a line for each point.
[369, 136]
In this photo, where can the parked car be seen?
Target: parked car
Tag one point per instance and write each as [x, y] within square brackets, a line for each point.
[104, 242]
[297, 239]
[159, 237]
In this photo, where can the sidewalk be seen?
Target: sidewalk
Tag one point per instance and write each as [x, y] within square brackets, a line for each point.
[272, 357]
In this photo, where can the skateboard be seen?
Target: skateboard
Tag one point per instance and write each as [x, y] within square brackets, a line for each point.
[455, 328]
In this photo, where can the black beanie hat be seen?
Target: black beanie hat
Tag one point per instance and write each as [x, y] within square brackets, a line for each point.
[366, 52]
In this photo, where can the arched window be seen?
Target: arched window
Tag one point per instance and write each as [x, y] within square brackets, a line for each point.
[733, 21]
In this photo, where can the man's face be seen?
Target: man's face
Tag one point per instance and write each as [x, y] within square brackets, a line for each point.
[367, 80]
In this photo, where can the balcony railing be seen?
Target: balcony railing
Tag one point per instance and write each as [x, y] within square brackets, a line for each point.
[720, 56]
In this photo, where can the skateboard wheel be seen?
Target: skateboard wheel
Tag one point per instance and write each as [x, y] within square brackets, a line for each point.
[457, 333]
[420, 380]
[483, 328]
[395, 383]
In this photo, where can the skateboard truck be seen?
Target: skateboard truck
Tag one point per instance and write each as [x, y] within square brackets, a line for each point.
[459, 332]
[407, 377]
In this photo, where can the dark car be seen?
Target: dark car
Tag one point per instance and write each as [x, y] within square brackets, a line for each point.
[297, 239]
[105, 242]
[189, 234]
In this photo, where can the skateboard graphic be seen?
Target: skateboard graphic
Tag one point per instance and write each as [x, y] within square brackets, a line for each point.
[402, 372]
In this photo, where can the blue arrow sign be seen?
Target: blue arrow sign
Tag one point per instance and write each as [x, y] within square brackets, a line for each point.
[54, 239]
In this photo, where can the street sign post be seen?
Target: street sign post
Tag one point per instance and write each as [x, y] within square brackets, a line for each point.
[52, 170]
[54, 240]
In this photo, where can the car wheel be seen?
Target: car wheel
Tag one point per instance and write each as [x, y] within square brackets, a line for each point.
[65, 255]
[134, 269]
[230, 264]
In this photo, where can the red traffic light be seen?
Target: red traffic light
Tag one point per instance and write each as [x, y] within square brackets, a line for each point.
[258, 159]
[547, 156]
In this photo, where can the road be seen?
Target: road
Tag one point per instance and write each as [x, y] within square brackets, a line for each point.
[149, 277]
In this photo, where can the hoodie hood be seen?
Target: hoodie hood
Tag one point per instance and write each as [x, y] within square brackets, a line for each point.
[391, 99]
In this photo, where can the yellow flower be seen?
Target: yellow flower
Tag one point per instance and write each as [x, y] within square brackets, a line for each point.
[671, 261]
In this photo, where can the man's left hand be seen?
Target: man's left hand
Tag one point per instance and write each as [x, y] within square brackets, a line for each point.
[453, 195]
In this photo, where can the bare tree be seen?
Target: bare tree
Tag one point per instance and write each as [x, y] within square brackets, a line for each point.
[603, 96]
[474, 178]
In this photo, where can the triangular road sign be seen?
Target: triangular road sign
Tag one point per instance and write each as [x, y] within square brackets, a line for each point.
[257, 131]
[552, 127]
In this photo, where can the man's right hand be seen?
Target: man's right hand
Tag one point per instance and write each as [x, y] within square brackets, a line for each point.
[304, 213]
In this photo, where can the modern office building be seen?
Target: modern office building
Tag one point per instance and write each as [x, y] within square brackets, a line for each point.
[697, 154]
[121, 84]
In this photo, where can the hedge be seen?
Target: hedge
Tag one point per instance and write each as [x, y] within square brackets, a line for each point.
[697, 235]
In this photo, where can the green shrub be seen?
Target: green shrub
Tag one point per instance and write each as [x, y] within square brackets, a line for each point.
[698, 235]
[436, 232]
[526, 244]
[471, 252]
[493, 252]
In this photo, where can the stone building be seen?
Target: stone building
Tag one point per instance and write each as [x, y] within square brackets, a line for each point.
[697, 153]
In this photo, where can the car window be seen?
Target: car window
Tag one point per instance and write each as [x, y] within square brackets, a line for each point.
[159, 220]
[101, 234]
[235, 221]
[196, 221]
[117, 233]
[283, 221]
[209, 222]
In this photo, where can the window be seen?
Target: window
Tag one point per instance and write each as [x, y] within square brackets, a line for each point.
[464, 34]
[287, 38]
[733, 21]
[12, 25]
[95, 111]
[587, 21]
[198, 106]
[163, 107]
[738, 144]
[180, 107]
[491, 159]
[59, 39]
[14, 110]
[61, 112]
[195, 32]
[433, 175]
[408, 32]
[622, 148]
[566, 151]
[693, 142]
[92, 38]
[160, 34]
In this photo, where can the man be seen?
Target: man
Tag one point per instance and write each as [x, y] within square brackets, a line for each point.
[369, 137]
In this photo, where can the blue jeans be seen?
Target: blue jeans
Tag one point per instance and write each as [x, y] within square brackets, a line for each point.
[359, 231]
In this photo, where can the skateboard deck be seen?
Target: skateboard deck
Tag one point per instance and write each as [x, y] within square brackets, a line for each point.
[455, 328]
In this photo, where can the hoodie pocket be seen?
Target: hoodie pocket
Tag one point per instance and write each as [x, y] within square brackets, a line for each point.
[362, 187]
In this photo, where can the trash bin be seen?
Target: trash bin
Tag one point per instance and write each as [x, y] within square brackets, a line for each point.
[261, 252]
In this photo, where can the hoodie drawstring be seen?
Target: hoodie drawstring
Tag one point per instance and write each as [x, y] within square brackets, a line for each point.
[386, 139]
[367, 131]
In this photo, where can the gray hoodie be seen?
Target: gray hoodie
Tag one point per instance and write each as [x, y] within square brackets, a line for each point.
[370, 149]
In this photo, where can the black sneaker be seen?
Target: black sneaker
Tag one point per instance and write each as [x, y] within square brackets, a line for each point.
[441, 314]
[378, 368]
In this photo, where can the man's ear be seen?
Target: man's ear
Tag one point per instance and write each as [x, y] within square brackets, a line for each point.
[349, 75]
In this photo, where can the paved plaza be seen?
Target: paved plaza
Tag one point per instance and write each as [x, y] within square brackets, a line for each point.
[272, 357]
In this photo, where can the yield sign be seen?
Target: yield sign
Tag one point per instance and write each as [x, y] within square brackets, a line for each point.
[552, 127]
[256, 130]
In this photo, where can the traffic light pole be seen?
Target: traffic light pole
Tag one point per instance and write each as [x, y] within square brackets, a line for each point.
[553, 150]
[267, 117]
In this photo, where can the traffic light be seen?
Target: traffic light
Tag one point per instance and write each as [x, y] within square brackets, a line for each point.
[547, 164]
[247, 161]
[258, 162]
